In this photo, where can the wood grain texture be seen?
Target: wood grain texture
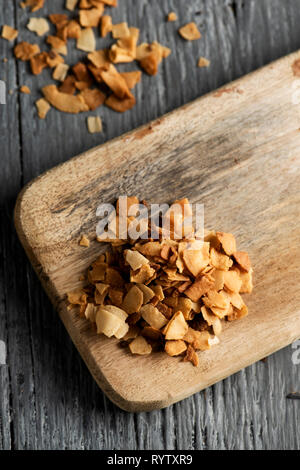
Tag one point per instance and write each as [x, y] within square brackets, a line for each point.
[62, 406]
[241, 160]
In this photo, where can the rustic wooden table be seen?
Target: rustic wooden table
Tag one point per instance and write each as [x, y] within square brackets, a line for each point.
[48, 400]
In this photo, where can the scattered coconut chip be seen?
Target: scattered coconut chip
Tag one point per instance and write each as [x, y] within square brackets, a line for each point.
[34, 4]
[58, 45]
[90, 18]
[25, 50]
[243, 260]
[227, 241]
[38, 63]
[9, 33]
[120, 30]
[133, 300]
[93, 98]
[172, 16]
[84, 241]
[86, 42]
[39, 26]
[191, 356]
[106, 25]
[175, 347]
[153, 316]
[190, 32]
[25, 89]
[203, 62]
[177, 327]
[94, 124]
[99, 58]
[120, 105]
[115, 82]
[135, 259]
[42, 107]
[63, 101]
[60, 72]
[140, 346]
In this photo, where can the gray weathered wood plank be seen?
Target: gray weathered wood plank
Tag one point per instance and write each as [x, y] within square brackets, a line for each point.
[55, 402]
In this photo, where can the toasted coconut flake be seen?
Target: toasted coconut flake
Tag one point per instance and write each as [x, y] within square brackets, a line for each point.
[191, 356]
[148, 293]
[232, 281]
[196, 259]
[25, 89]
[60, 72]
[9, 33]
[140, 346]
[227, 241]
[107, 322]
[115, 82]
[106, 25]
[185, 306]
[153, 316]
[86, 42]
[63, 101]
[116, 296]
[118, 55]
[42, 107]
[177, 327]
[247, 282]
[218, 276]
[90, 18]
[84, 241]
[93, 98]
[212, 320]
[68, 85]
[199, 288]
[94, 124]
[99, 58]
[172, 16]
[71, 4]
[120, 105]
[235, 299]
[39, 26]
[190, 32]
[135, 259]
[25, 50]
[220, 261]
[243, 260]
[53, 59]
[90, 312]
[38, 63]
[34, 4]
[132, 78]
[238, 314]
[57, 44]
[159, 293]
[73, 29]
[150, 63]
[133, 300]
[203, 62]
[120, 30]
[175, 347]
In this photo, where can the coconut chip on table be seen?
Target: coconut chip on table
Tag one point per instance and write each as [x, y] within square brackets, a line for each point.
[9, 33]
[166, 295]
[90, 22]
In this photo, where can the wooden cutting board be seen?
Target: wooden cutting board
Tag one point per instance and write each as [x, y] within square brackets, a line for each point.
[237, 150]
